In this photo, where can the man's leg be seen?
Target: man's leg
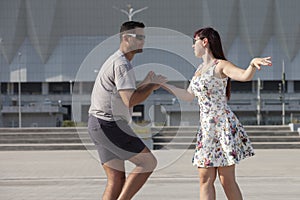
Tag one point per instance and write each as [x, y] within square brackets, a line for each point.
[115, 173]
[145, 164]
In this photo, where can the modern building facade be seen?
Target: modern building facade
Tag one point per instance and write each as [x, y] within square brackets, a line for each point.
[53, 49]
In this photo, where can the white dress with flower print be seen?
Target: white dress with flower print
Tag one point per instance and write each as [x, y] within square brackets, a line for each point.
[221, 138]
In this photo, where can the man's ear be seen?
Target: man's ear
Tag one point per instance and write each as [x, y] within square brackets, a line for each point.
[205, 42]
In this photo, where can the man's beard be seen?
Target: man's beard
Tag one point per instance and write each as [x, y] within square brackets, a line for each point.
[138, 50]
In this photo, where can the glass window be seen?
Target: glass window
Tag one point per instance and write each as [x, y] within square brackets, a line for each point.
[297, 86]
[16, 88]
[3, 88]
[272, 86]
[59, 88]
[31, 88]
[242, 87]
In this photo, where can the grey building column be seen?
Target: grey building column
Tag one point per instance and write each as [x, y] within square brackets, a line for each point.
[148, 113]
[254, 88]
[80, 88]
[168, 115]
[45, 88]
[290, 87]
[76, 111]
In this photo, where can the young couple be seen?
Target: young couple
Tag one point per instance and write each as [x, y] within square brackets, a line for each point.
[221, 139]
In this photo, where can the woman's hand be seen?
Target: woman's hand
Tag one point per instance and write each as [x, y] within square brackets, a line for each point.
[155, 80]
[158, 81]
[258, 62]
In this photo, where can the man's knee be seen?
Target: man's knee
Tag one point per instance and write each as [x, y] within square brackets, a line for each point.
[152, 163]
[148, 162]
[145, 160]
[116, 179]
[115, 172]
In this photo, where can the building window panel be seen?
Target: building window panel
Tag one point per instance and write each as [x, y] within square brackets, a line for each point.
[31, 88]
[273, 86]
[297, 86]
[3, 88]
[241, 87]
[59, 88]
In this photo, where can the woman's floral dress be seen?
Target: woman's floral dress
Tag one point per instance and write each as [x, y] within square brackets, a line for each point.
[221, 138]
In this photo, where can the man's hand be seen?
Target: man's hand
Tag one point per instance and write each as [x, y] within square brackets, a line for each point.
[145, 88]
[155, 80]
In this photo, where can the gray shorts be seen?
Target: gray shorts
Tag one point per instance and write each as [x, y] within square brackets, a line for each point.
[114, 140]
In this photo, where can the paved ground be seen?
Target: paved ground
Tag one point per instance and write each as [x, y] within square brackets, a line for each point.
[65, 175]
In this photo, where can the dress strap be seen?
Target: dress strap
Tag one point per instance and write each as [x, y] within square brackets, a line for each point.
[214, 67]
[216, 61]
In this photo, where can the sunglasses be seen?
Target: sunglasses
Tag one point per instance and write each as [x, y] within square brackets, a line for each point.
[139, 37]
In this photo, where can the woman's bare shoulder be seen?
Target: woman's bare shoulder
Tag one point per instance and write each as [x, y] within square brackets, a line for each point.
[224, 62]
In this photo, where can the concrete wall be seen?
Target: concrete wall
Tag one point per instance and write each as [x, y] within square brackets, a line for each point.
[54, 37]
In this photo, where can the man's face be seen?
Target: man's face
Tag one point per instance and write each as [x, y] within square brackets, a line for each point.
[136, 40]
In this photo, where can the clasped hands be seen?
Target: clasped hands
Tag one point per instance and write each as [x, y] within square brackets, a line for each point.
[155, 80]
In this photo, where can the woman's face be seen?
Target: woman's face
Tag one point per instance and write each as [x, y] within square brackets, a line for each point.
[198, 47]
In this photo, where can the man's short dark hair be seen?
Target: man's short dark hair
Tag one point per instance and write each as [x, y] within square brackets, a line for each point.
[130, 25]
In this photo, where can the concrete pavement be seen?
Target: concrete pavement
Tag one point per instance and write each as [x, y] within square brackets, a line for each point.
[65, 175]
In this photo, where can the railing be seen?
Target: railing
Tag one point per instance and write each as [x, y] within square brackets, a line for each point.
[34, 109]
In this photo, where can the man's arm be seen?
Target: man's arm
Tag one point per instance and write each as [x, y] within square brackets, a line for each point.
[134, 97]
[145, 88]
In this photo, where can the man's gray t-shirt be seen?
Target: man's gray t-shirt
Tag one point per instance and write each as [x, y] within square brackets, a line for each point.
[115, 74]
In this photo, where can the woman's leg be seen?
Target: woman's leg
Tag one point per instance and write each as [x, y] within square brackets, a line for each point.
[230, 186]
[207, 179]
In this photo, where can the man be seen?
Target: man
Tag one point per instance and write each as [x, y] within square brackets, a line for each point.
[113, 97]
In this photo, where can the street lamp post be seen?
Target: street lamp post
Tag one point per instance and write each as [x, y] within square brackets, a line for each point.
[0, 64]
[71, 87]
[258, 116]
[1, 40]
[283, 93]
[19, 90]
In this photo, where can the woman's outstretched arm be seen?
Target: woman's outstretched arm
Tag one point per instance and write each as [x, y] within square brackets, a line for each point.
[180, 93]
[247, 74]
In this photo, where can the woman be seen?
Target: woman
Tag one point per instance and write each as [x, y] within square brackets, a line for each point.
[221, 139]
